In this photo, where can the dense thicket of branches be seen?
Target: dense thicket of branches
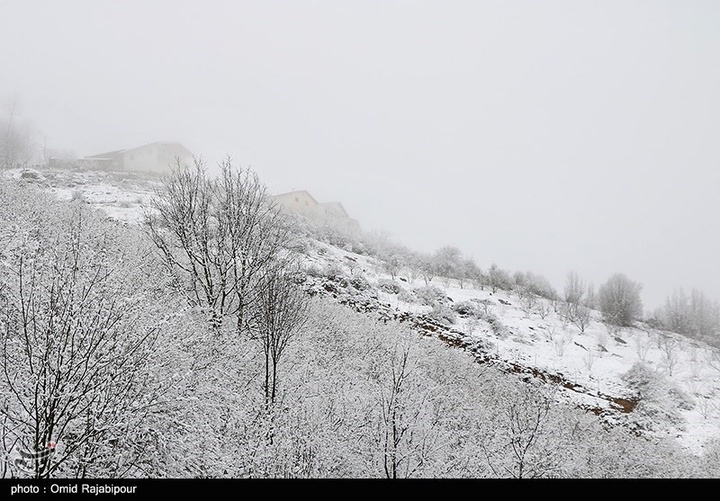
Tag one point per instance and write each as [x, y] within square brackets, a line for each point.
[78, 340]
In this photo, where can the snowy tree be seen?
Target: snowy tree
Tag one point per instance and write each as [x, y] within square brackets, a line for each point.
[76, 352]
[280, 312]
[619, 300]
[408, 425]
[427, 266]
[577, 308]
[18, 146]
[217, 236]
[526, 441]
[498, 278]
[694, 315]
[448, 261]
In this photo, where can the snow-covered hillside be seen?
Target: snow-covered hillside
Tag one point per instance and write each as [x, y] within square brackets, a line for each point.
[650, 380]
[531, 338]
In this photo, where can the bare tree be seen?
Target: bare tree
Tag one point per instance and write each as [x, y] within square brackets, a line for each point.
[498, 278]
[393, 264]
[620, 301]
[543, 308]
[522, 447]
[642, 346]
[576, 308]
[17, 138]
[468, 272]
[670, 354]
[574, 288]
[448, 260]
[280, 312]
[427, 266]
[694, 315]
[408, 426]
[217, 236]
[394, 428]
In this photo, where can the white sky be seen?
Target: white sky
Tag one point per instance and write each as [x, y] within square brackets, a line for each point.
[546, 136]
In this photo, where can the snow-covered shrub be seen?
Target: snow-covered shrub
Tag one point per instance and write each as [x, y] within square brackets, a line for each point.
[659, 398]
[314, 271]
[334, 272]
[443, 314]
[430, 295]
[467, 308]
[498, 328]
[359, 282]
[389, 286]
[77, 196]
[406, 296]
[710, 460]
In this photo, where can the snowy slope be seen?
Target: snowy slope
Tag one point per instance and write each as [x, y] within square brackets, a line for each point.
[529, 339]
[534, 340]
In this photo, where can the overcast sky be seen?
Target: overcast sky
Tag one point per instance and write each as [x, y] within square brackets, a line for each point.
[544, 136]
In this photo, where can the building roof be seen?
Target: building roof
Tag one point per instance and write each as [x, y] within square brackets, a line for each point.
[295, 193]
[160, 143]
[113, 154]
[109, 154]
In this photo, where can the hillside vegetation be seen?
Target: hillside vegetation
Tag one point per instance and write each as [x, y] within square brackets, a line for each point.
[139, 345]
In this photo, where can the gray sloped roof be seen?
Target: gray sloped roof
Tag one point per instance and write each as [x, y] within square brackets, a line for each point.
[116, 153]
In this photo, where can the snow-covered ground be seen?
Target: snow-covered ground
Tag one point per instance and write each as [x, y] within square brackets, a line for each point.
[120, 195]
[530, 335]
[592, 362]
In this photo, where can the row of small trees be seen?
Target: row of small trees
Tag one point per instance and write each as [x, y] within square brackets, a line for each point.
[618, 299]
[693, 315]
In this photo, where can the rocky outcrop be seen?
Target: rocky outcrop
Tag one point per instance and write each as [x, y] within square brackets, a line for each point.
[368, 302]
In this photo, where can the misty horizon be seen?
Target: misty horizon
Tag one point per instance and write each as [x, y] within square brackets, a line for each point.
[547, 137]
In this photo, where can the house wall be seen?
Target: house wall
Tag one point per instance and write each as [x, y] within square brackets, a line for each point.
[331, 213]
[300, 201]
[154, 158]
[330, 210]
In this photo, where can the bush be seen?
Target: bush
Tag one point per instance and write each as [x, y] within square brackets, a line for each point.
[359, 283]
[314, 271]
[406, 296]
[467, 308]
[659, 399]
[430, 295]
[443, 314]
[389, 286]
[334, 272]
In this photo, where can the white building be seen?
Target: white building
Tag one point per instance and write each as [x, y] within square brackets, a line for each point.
[328, 213]
[153, 158]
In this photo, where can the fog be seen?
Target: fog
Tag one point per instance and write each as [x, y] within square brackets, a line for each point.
[550, 136]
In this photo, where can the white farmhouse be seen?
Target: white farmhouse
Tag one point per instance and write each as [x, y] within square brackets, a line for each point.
[154, 158]
[332, 213]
